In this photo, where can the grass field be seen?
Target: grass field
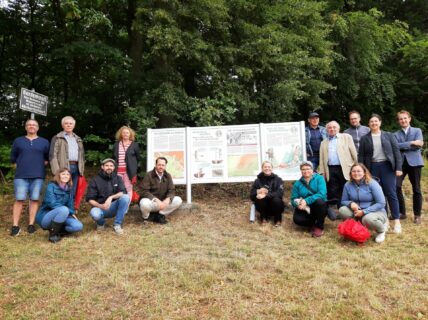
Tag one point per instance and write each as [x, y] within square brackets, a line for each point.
[212, 264]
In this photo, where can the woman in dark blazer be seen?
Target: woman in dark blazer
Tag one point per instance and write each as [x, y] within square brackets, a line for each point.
[380, 153]
[126, 153]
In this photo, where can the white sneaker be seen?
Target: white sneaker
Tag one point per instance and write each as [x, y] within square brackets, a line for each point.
[380, 237]
[386, 226]
[118, 229]
[100, 227]
[397, 228]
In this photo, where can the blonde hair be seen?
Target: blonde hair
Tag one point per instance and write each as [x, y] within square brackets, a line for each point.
[57, 179]
[367, 175]
[118, 134]
[266, 161]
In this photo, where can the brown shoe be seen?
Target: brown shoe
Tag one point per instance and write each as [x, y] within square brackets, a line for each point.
[417, 220]
[317, 232]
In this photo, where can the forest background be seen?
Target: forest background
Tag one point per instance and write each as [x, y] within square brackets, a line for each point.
[169, 63]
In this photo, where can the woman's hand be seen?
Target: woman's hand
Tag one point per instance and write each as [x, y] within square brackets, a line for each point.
[302, 204]
[354, 207]
[359, 213]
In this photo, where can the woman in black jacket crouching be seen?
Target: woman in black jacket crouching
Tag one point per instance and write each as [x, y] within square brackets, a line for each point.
[266, 193]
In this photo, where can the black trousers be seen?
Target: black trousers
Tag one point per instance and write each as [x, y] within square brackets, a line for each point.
[415, 179]
[269, 207]
[335, 185]
[315, 218]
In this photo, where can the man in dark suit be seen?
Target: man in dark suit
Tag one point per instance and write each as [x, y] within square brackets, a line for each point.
[410, 141]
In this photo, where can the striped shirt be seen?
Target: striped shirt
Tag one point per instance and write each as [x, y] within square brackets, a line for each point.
[73, 147]
[121, 165]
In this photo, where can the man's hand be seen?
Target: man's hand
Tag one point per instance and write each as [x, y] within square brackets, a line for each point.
[398, 173]
[106, 205]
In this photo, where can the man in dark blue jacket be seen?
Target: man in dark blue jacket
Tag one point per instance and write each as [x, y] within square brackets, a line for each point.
[107, 195]
[410, 141]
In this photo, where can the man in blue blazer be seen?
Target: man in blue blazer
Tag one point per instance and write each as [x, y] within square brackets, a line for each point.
[410, 141]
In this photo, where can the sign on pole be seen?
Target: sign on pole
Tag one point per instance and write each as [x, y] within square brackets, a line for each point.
[33, 102]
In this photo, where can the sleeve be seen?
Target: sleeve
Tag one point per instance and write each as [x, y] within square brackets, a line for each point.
[115, 155]
[279, 189]
[378, 198]
[171, 188]
[397, 154]
[352, 148]
[361, 150]
[321, 190]
[70, 203]
[346, 199]
[146, 187]
[14, 152]
[253, 191]
[47, 150]
[53, 155]
[294, 194]
[323, 158]
[50, 198]
[92, 193]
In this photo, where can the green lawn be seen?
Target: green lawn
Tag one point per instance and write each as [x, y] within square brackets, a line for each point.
[212, 264]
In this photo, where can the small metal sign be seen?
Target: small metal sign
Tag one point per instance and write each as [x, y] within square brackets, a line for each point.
[33, 102]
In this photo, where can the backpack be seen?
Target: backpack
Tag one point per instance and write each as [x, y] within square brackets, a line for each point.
[353, 230]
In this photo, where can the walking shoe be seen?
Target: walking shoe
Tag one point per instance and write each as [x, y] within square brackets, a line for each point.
[31, 228]
[397, 228]
[331, 214]
[417, 220]
[15, 230]
[317, 232]
[100, 227]
[118, 229]
[402, 217]
[380, 237]
[162, 219]
[386, 226]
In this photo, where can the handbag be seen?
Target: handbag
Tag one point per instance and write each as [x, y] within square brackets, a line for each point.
[135, 196]
[354, 230]
[80, 191]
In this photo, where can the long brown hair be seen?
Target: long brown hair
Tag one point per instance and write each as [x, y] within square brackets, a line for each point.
[367, 175]
[58, 180]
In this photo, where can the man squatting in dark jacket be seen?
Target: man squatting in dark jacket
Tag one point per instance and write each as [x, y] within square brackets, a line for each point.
[158, 193]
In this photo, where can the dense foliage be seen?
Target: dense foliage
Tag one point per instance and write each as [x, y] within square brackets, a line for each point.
[159, 63]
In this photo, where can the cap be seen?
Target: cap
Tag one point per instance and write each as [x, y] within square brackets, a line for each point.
[306, 163]
[314, 115]
[108, 160]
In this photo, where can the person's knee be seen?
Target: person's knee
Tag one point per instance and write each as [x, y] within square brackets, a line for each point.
[96, 214]
[124, 198]
[345, 212]
[177, 201]
[145, 204]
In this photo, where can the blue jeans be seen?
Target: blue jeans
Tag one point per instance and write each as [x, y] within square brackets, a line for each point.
[118, 209]
[74, 170]
[22, 187]
[61, 215]
[388, 181]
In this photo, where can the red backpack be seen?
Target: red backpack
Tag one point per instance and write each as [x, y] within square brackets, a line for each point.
[354, 231]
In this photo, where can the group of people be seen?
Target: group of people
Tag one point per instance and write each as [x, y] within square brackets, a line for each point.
[356, 174]
[109, 192]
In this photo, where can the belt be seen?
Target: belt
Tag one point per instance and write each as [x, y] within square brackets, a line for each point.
[334, 166]
[73, 162]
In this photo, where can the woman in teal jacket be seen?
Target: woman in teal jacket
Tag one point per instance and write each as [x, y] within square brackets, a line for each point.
[57, 210]
[308, 197]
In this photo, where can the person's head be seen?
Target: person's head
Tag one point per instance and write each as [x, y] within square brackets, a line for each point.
[314, 119]
[404, 118]
[108, 165]
[375, 121]
[267, 168]
[68, 123]
[307, 169]
[160, 164]
[125, 133]
[360, 172]
[354, 118]
[333, 128]
[31, 126]
[63, 176]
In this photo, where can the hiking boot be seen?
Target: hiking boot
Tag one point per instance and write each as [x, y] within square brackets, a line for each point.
[118, 229]
[31, 229]
[101, 227]
[317, 232]
[417, 220]
[162, 219]
[54, 236]
[15, 230]
[380, 237]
